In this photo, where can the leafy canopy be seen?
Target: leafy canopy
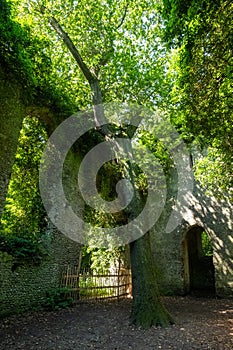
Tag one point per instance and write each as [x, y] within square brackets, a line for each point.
[118, 40]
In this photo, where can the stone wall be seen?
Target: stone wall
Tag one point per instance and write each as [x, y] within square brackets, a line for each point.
[170, 250]
[26, 286]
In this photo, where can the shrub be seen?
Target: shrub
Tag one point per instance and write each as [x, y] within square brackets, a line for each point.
[57, 299]
[24, 250]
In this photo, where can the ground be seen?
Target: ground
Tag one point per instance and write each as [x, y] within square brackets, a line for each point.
[201, 323]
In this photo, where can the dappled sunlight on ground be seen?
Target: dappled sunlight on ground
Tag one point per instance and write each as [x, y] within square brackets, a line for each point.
[201, 323]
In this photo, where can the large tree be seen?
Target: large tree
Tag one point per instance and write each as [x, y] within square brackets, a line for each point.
[118, 56]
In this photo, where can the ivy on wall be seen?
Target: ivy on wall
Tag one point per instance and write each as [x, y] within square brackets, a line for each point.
[24, 250]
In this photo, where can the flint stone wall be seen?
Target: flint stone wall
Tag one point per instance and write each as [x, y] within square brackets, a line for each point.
[26, 287]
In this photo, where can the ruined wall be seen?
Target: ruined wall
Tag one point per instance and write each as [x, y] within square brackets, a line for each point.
[170, 250]
[26, 287]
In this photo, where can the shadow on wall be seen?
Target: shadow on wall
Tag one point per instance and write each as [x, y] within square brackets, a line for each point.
[217, 217]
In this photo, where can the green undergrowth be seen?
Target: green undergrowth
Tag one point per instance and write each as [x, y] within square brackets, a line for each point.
[22, 249]
[57, 298]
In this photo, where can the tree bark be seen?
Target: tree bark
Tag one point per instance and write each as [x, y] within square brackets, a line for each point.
[147, 307]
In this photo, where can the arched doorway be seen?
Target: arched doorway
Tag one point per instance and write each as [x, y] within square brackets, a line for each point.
[198, 262]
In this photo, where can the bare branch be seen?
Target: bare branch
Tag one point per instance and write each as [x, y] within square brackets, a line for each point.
[97, 100]
[69, 44]
[124, 15]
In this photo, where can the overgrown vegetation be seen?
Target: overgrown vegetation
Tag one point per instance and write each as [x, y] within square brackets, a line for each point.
[25, 250]
[199, 34]
[15, 44]
[207, 248]
[23, 222]
[100, 260]
[24, 215]
[57, 298]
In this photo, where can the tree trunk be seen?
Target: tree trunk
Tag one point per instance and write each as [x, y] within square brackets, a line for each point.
[147, 307]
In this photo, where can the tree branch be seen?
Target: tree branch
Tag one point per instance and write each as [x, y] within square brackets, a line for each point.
[69, 44]
[97, 101]
[123, 18]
